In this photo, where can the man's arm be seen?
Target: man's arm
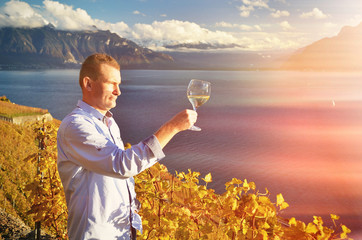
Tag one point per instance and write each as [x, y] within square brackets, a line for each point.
[180, 122]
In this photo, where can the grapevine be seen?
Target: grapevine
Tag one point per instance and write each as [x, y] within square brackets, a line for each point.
[46, 191]
[178, 206]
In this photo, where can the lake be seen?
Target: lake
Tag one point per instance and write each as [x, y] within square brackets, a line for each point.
[295, 133]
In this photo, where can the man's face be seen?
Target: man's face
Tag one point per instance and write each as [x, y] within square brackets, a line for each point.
[105, 90]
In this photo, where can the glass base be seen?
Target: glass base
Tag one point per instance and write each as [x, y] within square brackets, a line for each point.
[194, 128]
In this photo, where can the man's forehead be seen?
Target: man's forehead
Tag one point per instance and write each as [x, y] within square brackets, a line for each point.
[108, 67]
[109, 73]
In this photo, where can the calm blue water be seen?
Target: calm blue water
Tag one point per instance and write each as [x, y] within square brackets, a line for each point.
[295, 133]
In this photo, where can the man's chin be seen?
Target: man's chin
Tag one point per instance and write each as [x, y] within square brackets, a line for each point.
[113, 105]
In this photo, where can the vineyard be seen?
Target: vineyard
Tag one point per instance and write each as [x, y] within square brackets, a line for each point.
[174, 206]
[8, 109]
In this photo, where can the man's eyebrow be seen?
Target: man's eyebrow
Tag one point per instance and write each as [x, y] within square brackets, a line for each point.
[112, 81]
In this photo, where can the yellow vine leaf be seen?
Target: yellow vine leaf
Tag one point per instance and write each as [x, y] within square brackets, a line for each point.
[208, 178]
[202, 193]
[235, 204]
[345, 230]
[245, 227]
[280, 199]
[318, 221]
[234, 181]
[284, 206]
[264, 200]
[281, 203]
[127, 146]
[252, 185]
[245, 184]
[292, 222]
[311, 228]
[266, 225]
[264, 234]
[334, 217]
[186, 211]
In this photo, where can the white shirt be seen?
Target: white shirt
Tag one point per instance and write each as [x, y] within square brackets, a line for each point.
[97, 174]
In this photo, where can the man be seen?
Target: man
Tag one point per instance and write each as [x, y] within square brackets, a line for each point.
[96, 172]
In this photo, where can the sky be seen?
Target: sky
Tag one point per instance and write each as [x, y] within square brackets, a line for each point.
[194, 25]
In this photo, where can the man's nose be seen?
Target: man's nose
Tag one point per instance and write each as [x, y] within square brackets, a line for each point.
[117, 91]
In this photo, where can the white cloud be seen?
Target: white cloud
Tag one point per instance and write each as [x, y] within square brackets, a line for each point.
[256, 3]
[65, 17]
[286, 26]
[250, 5]
[278, 14]
[242, 27]
[20, 14]
[245, 10]
[270, 41]
[315, 13]
[330, 25]
[155, 35]
[356, 19]
[258, 27]
[173, 32]
[121, 28]
[136, 12]
[224, 24]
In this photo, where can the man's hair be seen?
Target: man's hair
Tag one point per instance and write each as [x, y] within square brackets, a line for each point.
[91, 66]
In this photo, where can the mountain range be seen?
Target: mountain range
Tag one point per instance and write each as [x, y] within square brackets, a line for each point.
[47, 47]
[339, 53]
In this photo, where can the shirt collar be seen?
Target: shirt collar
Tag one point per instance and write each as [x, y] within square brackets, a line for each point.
[94, 112]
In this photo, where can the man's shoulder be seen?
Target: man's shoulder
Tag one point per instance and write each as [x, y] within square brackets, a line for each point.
[76, 118]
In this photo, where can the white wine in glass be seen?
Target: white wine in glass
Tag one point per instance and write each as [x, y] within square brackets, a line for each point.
[198, 93]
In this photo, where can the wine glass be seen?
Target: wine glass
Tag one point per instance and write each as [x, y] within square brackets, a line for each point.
[198, 92]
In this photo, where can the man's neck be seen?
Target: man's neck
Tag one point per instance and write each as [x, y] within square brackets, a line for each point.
[103, 112]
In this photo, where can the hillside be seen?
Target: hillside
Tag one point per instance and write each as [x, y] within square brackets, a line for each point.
[340, 53]
[17, 143]
[47, 47]
[9, 110]
[20, 115]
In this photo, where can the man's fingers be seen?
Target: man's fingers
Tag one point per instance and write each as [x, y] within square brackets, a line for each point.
[184, 119]
[192, 116]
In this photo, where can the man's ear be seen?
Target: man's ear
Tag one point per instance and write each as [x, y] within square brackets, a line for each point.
[87, 83]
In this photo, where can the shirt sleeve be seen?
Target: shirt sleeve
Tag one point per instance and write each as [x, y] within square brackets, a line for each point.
[83, 144]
